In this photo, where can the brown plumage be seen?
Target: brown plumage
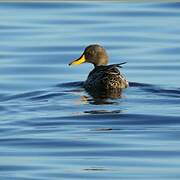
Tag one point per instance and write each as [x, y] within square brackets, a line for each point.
[103, 77]
[106, 77]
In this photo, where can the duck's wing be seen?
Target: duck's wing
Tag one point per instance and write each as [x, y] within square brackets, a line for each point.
[119, 65]
[112, 68]
[106, 77]
[108, 69]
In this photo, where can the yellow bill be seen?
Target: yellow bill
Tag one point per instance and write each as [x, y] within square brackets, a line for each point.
[78, 61]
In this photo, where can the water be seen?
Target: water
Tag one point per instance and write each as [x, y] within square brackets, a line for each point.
[50, 128]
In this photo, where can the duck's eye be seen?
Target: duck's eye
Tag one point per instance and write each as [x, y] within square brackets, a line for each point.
[89, 54]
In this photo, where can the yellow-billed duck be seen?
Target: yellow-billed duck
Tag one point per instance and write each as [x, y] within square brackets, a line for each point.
[103, 76]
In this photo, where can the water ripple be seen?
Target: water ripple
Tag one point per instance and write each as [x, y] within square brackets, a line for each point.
[51, 128]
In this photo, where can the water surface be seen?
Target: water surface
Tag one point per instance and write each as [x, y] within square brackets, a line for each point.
[50, 128]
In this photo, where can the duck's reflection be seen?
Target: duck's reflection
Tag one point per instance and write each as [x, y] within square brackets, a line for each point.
[106, 94]
[103, 112]
[102, 97]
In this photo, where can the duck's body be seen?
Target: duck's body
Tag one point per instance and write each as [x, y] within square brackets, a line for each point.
[106, 78]
[103, 77]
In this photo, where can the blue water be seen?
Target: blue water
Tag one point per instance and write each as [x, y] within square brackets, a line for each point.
[51, 129]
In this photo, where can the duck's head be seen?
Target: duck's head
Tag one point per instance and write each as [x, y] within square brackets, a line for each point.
[94, 54]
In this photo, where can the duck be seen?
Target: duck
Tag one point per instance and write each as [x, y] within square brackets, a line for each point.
[104, 77]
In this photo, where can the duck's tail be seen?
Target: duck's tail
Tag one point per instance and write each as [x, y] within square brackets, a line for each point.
[118, 65]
